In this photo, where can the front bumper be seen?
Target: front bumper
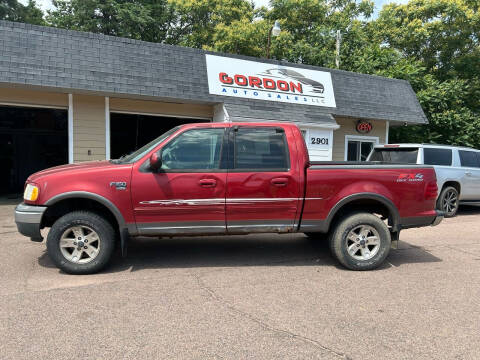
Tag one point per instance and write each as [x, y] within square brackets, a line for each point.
[28, 219]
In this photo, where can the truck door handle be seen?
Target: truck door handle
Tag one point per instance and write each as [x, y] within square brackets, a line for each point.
[468, 173]
[279, 181]
[208, 183]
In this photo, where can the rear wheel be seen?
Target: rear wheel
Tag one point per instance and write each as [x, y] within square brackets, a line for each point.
[361, 241]
[81, 242]
[448, 201]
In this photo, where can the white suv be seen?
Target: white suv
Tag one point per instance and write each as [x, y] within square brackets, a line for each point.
[457, 168]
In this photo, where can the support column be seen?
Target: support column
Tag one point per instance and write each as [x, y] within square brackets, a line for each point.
[70, 128]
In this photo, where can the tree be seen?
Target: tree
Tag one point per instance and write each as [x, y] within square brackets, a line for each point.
[12, 10]
[197, 20]
[148, 20]
[442, 38]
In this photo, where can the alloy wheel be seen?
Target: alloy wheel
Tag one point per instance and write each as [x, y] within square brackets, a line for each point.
[363, 242]
[449, 201]
[79, 244]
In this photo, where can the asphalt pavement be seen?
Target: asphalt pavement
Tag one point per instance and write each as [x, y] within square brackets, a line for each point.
[246, 297]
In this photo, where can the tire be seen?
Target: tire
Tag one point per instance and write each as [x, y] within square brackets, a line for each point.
[448, 201]
[81, 242]
[361, 253]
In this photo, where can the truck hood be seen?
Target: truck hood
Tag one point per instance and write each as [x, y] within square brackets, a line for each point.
[83, 166]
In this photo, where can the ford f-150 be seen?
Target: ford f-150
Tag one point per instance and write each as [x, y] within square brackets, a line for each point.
[224, 179]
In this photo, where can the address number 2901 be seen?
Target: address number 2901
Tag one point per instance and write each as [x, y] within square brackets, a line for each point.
[319, 141]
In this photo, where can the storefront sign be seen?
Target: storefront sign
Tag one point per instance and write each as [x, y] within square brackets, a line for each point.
[256, 80]
[364, 127]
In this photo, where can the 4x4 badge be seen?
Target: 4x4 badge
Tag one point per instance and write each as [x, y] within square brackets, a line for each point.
[410, 177]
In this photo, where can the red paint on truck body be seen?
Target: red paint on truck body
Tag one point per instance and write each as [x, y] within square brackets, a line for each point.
[226, 200]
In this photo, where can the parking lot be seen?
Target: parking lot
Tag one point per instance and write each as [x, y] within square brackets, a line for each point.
[246, 297]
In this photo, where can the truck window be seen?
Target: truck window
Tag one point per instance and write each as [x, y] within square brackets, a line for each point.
[433, 156]
[469, 158]
[395, 155]
[198, 149]
[260, 149]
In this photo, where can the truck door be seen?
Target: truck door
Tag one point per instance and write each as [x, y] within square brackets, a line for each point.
[187, 194]
[263, 190]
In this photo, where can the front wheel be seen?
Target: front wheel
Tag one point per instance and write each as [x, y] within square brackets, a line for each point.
[448, 201]
[361, 241]
[81, 242]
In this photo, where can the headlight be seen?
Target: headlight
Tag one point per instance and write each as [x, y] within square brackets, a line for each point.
[31, 192]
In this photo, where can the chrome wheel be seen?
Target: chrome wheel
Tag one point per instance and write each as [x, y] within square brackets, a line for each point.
[450, 201]
[79, 244]
[363, 242]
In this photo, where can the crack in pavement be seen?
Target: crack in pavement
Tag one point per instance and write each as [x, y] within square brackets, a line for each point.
[462, 251]
[213, 295]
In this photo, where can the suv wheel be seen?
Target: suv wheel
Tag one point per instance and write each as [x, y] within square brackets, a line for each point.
[81, 242]
[448, 201]
[361, 241]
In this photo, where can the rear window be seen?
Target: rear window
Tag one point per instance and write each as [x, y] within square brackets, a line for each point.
[261, 149]
[433, 156]
[395, 155]
[469, 158]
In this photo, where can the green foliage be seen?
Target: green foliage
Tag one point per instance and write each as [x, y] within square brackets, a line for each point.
[12, 10]
[442, 37]
[197, 20]
[148, 20]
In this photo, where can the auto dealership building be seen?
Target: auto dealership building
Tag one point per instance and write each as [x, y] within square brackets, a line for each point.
[68, 96]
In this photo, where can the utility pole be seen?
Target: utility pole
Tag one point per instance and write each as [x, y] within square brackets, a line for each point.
[337, 53]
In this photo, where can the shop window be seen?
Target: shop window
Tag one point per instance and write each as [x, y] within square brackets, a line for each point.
[358, 149]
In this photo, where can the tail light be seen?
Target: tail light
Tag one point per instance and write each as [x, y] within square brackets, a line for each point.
[431, 190]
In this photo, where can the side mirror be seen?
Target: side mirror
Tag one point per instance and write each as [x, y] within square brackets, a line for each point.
[155, 161]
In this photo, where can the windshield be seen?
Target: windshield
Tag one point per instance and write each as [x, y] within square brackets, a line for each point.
[396, 155]
[139, 153]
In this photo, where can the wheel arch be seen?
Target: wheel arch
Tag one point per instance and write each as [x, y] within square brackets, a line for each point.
[75, 200]
[453, 183]
[368, 202]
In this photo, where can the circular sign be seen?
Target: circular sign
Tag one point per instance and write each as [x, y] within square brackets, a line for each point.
[364, 127]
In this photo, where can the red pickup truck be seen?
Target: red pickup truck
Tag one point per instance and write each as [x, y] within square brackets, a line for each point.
[222, 179]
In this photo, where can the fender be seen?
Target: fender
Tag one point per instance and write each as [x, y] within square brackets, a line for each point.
[324, 225]
[367, 196]
[124, 232]
[92, 196]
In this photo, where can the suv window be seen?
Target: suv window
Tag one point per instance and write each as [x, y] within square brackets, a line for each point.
[395, 155]
[197, 149]
[469, 158]
[261, 149]
[432, 156]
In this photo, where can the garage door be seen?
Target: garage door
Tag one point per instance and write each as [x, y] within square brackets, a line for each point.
[31, 139]
[129, 132]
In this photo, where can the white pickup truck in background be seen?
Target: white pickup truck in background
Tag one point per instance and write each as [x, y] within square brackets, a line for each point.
[457, 169]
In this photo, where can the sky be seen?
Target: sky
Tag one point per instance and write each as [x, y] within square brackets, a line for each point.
[47, 4]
